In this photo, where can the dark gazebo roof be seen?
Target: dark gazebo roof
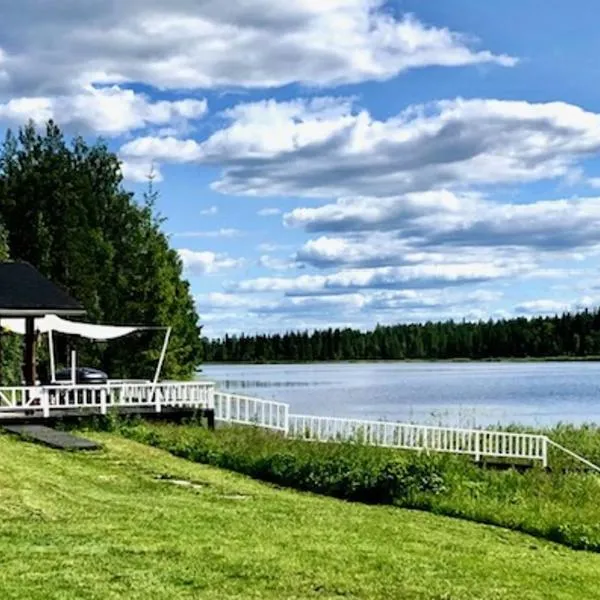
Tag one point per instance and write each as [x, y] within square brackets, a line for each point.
[24, 292]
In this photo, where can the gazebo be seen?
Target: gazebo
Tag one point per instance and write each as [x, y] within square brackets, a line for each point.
[26, 294]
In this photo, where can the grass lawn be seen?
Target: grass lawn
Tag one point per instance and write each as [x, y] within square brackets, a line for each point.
[99, 525]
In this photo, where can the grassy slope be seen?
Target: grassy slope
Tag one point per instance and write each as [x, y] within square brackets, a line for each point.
[99, 526]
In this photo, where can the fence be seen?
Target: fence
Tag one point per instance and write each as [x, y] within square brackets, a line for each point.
[245, 410]
[474, 442]
[234, 408]
[275, 416]
[62, 398]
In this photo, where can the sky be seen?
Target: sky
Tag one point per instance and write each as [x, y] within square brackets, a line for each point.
[332, 163]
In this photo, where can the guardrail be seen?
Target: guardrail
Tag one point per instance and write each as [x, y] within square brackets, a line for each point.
[55, 398]
[478, 443]
[245, 410]
[275, 416]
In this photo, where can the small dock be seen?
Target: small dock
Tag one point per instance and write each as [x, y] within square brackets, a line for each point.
[60, 440]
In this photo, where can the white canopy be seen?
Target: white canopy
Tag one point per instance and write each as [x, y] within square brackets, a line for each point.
[51, 323]
[86, 330]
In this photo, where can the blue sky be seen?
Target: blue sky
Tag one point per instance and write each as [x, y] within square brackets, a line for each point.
[341, 162]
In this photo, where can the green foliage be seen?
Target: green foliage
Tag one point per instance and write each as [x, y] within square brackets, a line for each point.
[66, 212]
[348, 471]
[560, 505]
[11, 350]
[570, 335]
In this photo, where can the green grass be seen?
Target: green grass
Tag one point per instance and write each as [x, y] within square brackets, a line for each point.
[561, 505]
[101, 526]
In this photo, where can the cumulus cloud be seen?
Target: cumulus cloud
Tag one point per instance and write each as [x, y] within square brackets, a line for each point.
[324, 147]
[185, 44]
[275, 264]
[141, 171]
[221, 310]
[409, 277]
[206, 262]
[419, 226]
[109, 111]
[450, 143]
[553, 307]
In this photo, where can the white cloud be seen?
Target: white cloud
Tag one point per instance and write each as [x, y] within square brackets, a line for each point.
[275, 264]
[536, 307]
[210, 211]
[554, 307]
[185, 44]
[108, 110]
[407, 227]
[409, 277]
[139, 171]
[327, 148]
[207, 263]
[263, 313]
[162, 149]
[268, 212]
[226, 232]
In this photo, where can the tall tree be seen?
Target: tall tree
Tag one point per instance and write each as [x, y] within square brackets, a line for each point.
[67, 213]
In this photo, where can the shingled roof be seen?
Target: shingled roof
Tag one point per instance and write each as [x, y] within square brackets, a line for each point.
[25, 292]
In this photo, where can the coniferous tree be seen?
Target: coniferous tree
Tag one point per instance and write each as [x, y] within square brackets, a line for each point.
[66, 212]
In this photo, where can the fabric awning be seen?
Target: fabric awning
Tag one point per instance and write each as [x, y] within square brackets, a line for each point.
[86, 330]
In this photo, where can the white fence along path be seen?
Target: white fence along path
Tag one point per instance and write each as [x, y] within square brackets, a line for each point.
[478, 443]
[246, 410]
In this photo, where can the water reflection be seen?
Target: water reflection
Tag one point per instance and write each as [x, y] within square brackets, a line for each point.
[465, 394]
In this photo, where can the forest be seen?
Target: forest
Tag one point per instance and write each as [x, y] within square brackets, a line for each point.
[63, 209]
[570, 335]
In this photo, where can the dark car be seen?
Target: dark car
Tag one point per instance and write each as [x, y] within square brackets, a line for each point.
[82, 375]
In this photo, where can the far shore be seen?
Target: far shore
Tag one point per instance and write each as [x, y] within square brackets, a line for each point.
[529, 359]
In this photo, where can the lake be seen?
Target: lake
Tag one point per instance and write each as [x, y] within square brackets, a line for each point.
[454, 394]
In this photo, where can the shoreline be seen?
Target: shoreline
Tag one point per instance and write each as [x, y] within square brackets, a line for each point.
[531, 359]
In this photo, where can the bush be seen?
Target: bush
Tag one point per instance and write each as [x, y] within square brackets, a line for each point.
[347, 471]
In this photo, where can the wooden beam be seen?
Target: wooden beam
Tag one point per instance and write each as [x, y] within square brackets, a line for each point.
[29, 370]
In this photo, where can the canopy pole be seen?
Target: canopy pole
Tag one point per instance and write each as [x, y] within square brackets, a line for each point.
[160, 363]
[51, 352]
[29, 370]
[73, 367]
[162, 357]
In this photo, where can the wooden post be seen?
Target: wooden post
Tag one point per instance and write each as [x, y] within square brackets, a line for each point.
[29, 369]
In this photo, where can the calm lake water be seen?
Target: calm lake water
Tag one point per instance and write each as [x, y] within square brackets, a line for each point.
[465, 394]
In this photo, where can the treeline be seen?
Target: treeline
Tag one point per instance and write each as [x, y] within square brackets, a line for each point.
[576, 335]
[64, 210]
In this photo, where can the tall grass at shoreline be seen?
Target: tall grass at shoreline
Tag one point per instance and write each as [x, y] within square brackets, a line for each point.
[559, 505]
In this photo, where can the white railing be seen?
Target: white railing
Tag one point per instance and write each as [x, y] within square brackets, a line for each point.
[478, 443]
[245, 410]
[99, 398]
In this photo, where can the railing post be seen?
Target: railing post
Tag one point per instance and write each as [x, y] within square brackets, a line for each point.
[545, 452]
[157, 394]
[103, 395]
[286, 419]
[210, 400]
[478, 446]
[45, 400]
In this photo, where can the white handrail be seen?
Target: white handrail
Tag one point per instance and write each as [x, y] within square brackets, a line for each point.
[585, 461]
